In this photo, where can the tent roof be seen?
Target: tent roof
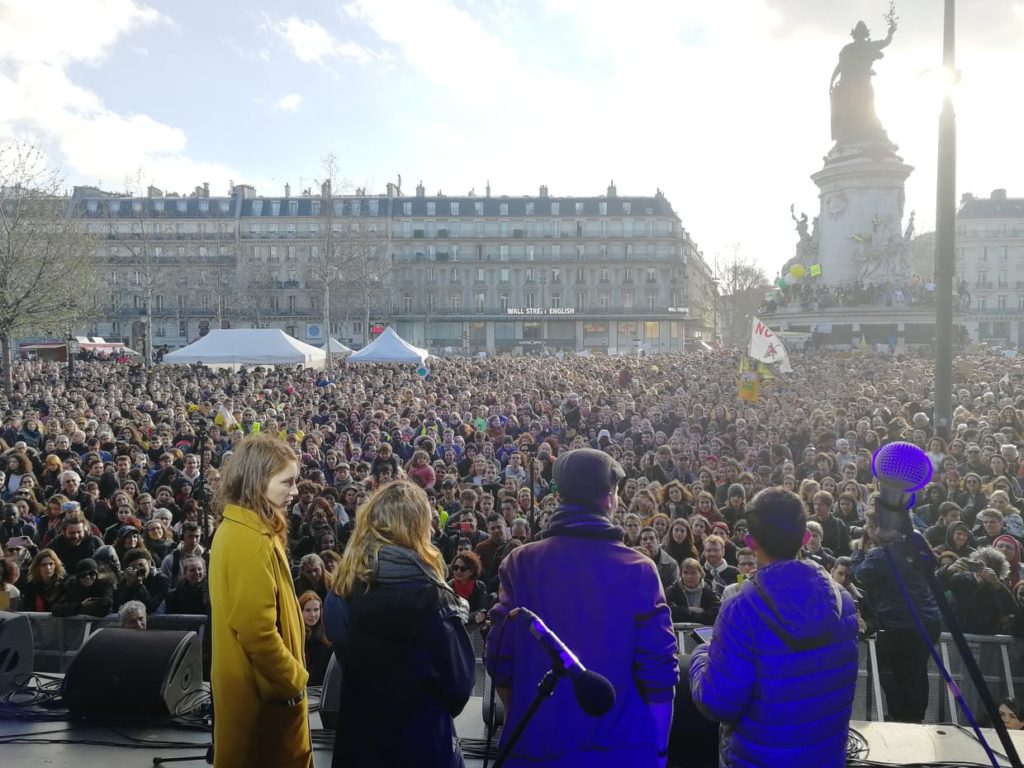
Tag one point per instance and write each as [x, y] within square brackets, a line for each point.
[389, 347]
[338, 348]
[248, 346]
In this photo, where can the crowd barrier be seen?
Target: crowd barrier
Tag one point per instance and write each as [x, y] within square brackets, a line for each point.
[1000, 657]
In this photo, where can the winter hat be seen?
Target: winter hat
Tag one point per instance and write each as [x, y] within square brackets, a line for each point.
[737, 490]
[87, 565]
[586, 475]
[108, 555]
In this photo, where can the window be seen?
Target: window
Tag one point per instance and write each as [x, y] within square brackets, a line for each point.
[503, 253]
[604, 275]
[478, 208]
[293, 207]
[627, 300]
[456, 301]
[373, 206]
[183, 328]
[580, 301]
[503, 209]
[407, 208]
[291, 304]
[556, 300]
[529, 209]
[454, 206]
[602, 208]
[652, 276]
[555, 208]
[481, 300]
[478, 228]
[356, 207]
[480, 276]
[529, 253]
[581, 275]
[556, 275]
[531, 299]
[182, 302]
[530, 275]
[275, 207]
[627, 275]
[159, 330]
[1001, 302]
[504, 229]
[504, 275]
[431, 209]
[579, 208]
[407, 303]
[627, 208]
[556, 252]
[257, 207]
[602, 301]
[504, 299]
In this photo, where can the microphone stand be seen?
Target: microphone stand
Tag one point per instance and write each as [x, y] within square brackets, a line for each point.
[918, 553]
[545, 688]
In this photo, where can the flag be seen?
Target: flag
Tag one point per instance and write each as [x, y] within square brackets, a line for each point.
[748, 383]
[815, 270]
[766, 347]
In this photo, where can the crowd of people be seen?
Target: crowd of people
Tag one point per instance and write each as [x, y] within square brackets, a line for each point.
[811, 295]
[110, 477]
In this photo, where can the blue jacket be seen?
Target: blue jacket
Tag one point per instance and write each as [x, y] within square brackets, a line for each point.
[872, 571]
[781, 670]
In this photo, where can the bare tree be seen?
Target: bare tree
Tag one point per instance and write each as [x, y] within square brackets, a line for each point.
[743, 285]
[47, 277]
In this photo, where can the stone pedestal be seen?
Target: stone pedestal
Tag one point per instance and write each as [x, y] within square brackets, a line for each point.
[860, 226]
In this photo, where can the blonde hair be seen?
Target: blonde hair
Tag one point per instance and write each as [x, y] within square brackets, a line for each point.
[245, 474]
[397, 513]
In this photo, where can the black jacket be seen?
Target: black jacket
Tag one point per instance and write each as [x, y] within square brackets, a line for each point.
[150, 592]
[70, 602]
[407, 670]
[675, 596]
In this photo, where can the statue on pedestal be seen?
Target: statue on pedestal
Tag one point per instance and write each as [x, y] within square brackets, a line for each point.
[853, 98]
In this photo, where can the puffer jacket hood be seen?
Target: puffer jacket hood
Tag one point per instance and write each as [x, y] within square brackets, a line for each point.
[803, 613]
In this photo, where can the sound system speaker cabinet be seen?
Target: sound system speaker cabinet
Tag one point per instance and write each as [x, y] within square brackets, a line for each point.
[330, 697]
[131, 673]
[16, 651]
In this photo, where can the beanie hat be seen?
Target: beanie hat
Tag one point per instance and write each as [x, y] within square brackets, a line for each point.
[585, 475]
[86, 565]
[737, 490]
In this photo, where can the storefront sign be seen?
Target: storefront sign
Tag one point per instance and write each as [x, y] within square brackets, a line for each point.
[543, 311]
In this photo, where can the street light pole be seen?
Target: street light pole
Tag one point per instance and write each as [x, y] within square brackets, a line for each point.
[945, 251]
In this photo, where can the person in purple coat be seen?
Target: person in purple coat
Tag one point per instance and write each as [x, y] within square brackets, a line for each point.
[605, 601]
[779, 673]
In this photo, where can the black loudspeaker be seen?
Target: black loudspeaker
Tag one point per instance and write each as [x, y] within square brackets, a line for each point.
[16, 651]
[330, 698]
[133, 673]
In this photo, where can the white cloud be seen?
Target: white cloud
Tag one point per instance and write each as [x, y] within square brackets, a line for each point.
[311, 43]
[62, 31]
[90, 140]
[289, 103]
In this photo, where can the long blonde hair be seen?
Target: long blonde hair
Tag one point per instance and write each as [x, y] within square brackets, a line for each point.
[245, 474]
[396, 513]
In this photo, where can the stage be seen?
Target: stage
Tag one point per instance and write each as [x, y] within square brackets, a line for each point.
[133, 746]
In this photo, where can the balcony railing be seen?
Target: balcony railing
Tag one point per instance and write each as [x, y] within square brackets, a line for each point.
[422, 310]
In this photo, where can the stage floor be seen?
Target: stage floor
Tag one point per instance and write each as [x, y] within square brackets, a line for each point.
[890, 743]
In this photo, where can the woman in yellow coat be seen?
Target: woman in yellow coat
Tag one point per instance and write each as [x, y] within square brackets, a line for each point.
[258, 674]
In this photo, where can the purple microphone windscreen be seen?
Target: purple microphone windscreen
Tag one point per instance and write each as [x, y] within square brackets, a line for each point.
[902, 464]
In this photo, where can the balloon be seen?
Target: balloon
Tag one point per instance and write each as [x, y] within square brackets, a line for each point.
[784, 281]
[422, 371]
[798, 271]
[792, 279]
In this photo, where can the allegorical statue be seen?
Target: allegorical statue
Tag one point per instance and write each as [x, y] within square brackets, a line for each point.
[853, 99]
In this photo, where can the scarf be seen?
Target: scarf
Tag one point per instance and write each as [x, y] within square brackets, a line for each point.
[464, 589]
[694, 595]
[395, 565]
[584, 523]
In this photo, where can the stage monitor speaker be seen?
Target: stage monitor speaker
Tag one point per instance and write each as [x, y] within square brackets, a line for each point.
[330, 697]
[133, 673]
[16, 651]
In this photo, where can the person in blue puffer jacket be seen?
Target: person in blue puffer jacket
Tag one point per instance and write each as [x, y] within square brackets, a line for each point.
[780, 672]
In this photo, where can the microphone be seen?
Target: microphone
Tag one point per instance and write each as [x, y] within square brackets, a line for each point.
[594, 692]
[900, 469]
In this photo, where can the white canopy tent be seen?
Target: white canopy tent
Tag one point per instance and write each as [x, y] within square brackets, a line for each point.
[389, 347]
[337, 348]
[245, 346]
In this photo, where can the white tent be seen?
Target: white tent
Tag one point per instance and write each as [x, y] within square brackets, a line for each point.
[338, 348]
[244, 346]
[389, 347]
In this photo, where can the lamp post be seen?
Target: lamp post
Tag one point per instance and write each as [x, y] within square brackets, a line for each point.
[945, 252]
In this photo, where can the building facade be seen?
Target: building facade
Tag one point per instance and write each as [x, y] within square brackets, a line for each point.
[457, 274]
[990, 267]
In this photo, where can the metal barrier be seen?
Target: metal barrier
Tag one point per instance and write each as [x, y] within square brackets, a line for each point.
[56, 639]
[999, 656]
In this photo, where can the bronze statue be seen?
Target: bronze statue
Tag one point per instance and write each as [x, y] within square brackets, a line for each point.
[853, 99]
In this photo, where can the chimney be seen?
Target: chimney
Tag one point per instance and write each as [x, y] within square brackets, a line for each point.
[420, 190]
[152, 191]
[325, 188]
[287, 189]
[488, 188]
[206, 189]
[543, 190]
[612, 192]
[998, 194]
[966, 197]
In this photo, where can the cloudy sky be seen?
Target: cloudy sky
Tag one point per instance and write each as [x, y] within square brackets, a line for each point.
[723, 105]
